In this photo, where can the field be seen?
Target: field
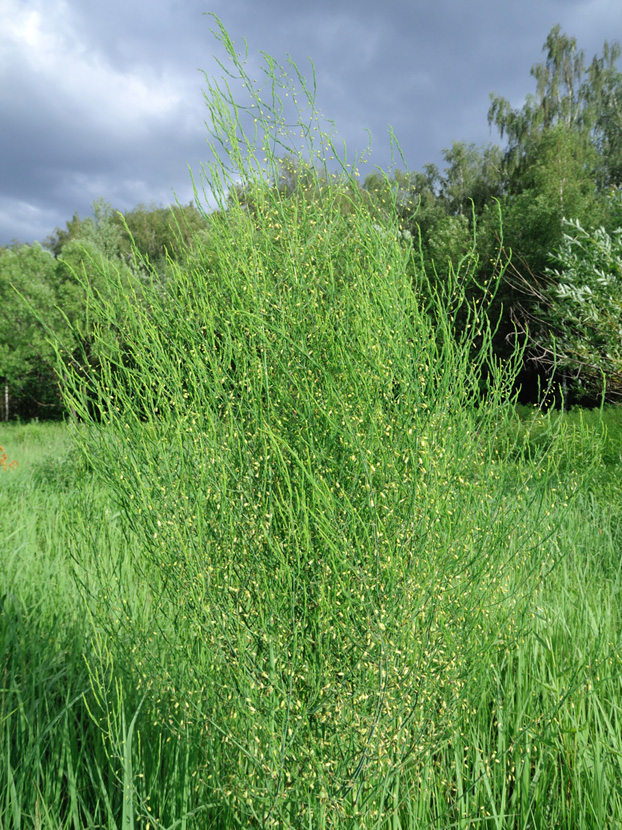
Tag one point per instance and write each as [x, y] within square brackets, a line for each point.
[83, 746]
[297, 560]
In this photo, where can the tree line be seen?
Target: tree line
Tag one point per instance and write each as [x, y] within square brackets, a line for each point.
[43, 289]
[549, 202]
[556, 187]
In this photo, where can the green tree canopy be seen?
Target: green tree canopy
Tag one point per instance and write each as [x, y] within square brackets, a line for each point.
[29, 295]
[578, 322]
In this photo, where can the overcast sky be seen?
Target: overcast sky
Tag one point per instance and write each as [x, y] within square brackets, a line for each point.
[104, 99]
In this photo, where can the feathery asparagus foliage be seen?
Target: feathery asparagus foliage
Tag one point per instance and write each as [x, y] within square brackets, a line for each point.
[307, 452]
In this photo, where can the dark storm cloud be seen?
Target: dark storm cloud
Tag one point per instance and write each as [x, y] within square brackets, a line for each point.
[104, 100]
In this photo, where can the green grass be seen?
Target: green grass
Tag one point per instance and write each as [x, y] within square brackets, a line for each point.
[538, 746]
[63, 763]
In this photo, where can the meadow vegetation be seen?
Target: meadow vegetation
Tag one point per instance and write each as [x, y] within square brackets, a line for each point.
[536, 743]
[298, 560]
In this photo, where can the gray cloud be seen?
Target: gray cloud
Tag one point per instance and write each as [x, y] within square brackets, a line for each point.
[104, 100]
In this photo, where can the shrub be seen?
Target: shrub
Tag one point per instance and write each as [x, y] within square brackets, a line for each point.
[296, 434]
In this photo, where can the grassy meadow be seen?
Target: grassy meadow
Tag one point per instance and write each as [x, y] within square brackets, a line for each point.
[535, 744]
[298, 560]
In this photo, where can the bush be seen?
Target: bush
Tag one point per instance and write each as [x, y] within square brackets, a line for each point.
[295, 432]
